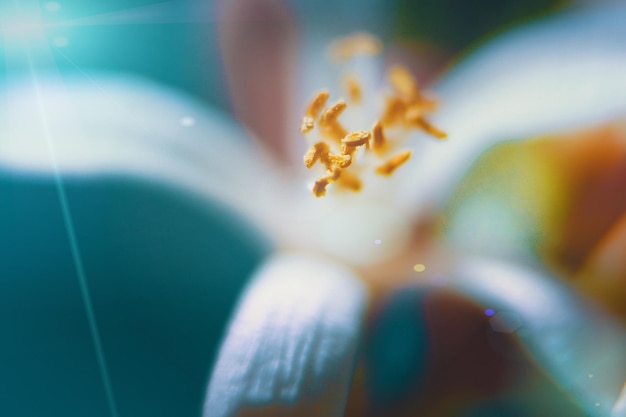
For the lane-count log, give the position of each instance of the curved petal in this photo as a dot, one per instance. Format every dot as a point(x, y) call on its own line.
point(291, 346)
point(554, 74)
point(127, 126)
point(581, 347)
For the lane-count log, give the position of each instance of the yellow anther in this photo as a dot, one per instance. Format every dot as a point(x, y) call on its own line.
point(394, 163)
point(406, 108)
point(360, 43)
point(378, 138)
point(403, 82)
point(334, 130)
point(307, 124)
point(334, 174)
point(429, 128)
point(355, 139)
point(317, 104)
point(332, 160)
point(313, 110)
point(333, 112)
point(350, 181)
point(319, 188)
point(394, 111)
point(315, 153)
point(353, 88)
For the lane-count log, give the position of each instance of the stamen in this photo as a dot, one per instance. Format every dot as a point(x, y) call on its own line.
point(353, 88)
point(360, 43)
point(355, 139)
point(403, 82)
point(429, 128)
point(319, 188)
point(333, 112)
point(394, 111)
point(329, 124)
point(349, 181)
point(307, 125)
point(378, 141)
point(315, 106)
point(394, 163)
point(315, 153)
point(332, 160)
point(406, 108)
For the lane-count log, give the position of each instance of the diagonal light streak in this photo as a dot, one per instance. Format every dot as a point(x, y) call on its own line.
point(75, 250)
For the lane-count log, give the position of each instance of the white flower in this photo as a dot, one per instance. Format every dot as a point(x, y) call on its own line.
point(292, 343)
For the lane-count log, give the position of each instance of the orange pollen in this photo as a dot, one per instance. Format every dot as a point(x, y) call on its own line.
point(315, 153)
point(358, 138)
point(333, 112)
point(350, 181)
point(403, 82)
point(353, 89)
point(405, 109)
point(393, 163)
point(360, 43)
point(315, 106)
point(378, 141)
point(429, 128)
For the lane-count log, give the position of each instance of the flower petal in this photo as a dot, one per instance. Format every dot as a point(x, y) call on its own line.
point(290, 349)
point(555, 74)
point(581, 347)
point(121, 125)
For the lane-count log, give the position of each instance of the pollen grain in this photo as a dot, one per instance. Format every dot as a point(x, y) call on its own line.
point(335, 149)
point(393, 163)
point(359, 43)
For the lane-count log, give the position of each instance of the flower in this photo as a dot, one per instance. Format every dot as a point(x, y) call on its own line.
point(292, 342)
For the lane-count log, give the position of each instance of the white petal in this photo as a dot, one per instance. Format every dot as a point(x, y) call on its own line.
point(582, 348)
point(550, 75)
point(120, 125)
point(291, 347)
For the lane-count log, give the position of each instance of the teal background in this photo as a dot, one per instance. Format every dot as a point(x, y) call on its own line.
point(163, 270)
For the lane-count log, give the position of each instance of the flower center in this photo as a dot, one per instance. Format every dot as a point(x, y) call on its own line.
point(342, 148)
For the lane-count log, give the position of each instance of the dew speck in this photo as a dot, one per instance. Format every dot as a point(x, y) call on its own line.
point(378, 242)
point(187, 121)
point(590, 376)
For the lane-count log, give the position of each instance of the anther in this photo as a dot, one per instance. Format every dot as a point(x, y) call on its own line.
point(378, 138)
point(333, 112)
point(353, 89)
point(429, 128)
point(315, 153)
point(332, 160)
point(315, 106)
point(308, 123)
point(394, 111)
point(355, 139)
point(357, 44)
point(319, 188)
point(349, 181)
point(394, 163)
point(403, 82)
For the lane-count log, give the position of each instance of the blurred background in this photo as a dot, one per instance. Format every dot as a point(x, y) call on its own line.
point(161, 367)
